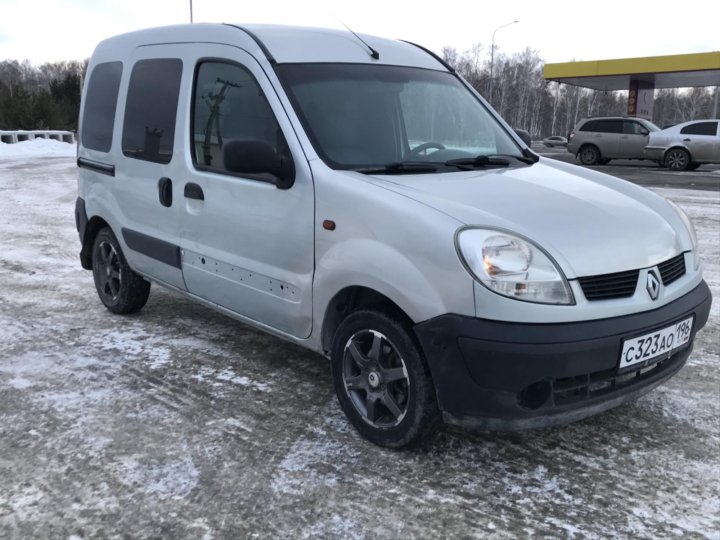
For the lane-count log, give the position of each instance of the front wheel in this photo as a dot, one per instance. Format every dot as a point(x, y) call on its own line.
point(382, 381)
point(589, 155)
point(121, 289)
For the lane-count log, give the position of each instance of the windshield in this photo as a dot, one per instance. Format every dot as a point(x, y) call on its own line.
point(649, 125)
point(362, 116)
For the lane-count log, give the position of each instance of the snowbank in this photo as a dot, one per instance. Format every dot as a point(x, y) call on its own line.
point(37, 147)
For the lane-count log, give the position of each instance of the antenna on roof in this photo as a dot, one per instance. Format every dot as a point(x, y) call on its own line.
point(373, 53)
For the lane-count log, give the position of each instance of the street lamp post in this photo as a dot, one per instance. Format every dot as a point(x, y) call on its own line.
point(492, 59)
point(191, 13)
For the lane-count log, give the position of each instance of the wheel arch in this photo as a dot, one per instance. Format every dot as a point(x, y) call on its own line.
point(585, 145)
point(354, 298)
point(677, 147)
point(94, 225)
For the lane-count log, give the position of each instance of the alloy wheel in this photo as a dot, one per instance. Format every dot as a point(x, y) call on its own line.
point(677, 160)
point(108, 270)
point(376, 379)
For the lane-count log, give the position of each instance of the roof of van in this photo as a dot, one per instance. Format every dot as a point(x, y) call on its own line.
point(281, 44)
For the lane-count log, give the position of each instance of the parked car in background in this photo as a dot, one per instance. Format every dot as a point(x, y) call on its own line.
point(598, 140)
point(555, 140)
point(686, 146)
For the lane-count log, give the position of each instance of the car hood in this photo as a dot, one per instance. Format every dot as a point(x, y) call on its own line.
point(591, 223)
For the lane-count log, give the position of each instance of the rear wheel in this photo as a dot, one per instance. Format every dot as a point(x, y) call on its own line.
point(604, 161)
point(382, 381)
point(677, 159)
point(589, 155)
point(119, 288)
point(693, 165)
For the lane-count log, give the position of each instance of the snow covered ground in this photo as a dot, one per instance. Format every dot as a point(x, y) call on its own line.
point(37, 148)
point(181, 423)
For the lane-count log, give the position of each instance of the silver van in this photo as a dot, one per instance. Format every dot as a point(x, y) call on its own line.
point(356, 196)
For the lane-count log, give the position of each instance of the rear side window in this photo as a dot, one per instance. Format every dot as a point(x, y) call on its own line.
point(149, 127)
point(610, 126)
point(701, 128)
point(100, 106)
point(603, 126)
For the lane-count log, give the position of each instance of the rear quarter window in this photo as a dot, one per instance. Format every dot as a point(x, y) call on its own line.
point(100, 106)
point(701, 128)
point(151, 109)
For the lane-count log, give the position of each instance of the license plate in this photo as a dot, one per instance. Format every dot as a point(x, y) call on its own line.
point(655, 344)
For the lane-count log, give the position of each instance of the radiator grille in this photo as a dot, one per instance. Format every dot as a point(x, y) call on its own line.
point(610, 286)
point(623, 284)
point(673, 269)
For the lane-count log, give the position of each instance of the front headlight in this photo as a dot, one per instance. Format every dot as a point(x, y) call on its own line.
point(691, 231)
point(512, 266)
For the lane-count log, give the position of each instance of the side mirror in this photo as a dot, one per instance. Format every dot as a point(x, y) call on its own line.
point(258, 157)
point(644, 132)
point(524, 135)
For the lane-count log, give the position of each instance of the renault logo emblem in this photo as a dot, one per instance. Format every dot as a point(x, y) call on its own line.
point(653, 285)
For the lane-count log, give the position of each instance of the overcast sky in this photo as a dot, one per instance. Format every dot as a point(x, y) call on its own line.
point(52, 30)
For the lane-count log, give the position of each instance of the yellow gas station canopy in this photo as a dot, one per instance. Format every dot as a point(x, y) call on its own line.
point(675, 71)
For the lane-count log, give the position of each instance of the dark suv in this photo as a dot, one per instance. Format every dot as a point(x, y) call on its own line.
point(598, 140)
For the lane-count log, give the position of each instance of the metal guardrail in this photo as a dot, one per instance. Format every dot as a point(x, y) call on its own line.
point(12, 137)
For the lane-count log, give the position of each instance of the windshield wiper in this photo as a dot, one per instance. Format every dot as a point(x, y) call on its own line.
point(400, 167)
point(494, 160)
point(469, 164)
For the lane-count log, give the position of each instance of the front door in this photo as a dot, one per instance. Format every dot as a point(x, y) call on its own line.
point(247, 245)
point(633, 140)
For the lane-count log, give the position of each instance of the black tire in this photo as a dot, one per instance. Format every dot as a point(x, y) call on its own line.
point(119, 288)
point(603, 161)
point(589, 155)
point(382, 381)
point(693, 165)
point(677, 159)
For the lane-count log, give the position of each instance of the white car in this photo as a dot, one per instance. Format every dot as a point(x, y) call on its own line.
point(555, 140)
point(357, 197)
point(686, 146)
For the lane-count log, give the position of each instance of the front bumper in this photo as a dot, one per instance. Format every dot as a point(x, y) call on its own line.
point(512, 376)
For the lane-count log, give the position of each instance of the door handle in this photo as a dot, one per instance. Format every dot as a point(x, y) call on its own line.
point(165, 192)
point(193, 191)
point(687, 140)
